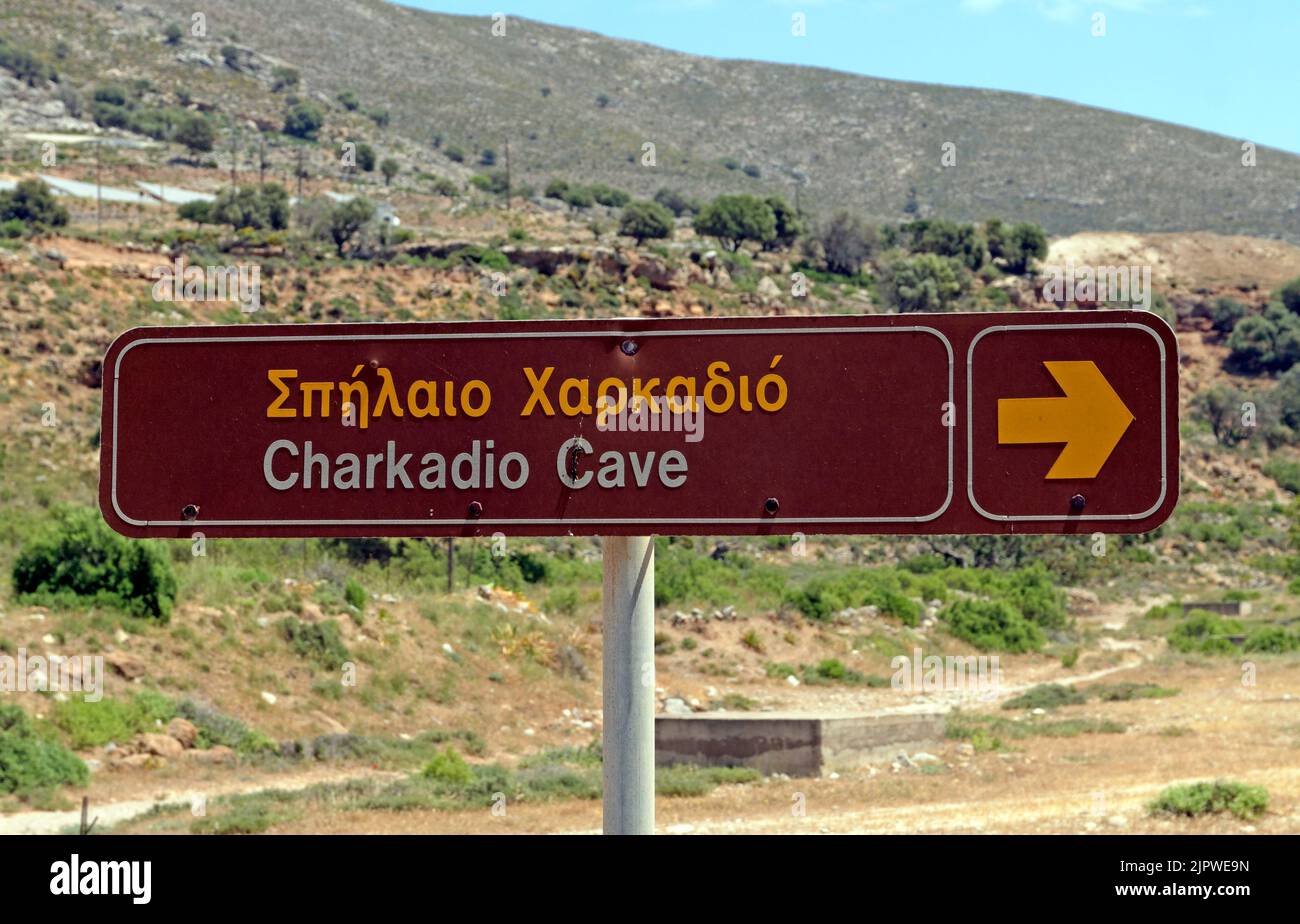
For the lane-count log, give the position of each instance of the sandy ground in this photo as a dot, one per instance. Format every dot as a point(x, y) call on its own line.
point(1179, 259)
point(1213, 729)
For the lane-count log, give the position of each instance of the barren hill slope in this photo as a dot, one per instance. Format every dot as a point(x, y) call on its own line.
point(579, 105)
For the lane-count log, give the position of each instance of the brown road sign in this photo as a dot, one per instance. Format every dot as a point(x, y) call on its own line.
point(1034, 422)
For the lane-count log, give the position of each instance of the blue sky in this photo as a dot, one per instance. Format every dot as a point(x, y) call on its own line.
point(1227, 66)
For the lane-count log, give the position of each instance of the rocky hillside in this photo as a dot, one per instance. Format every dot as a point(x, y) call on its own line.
point(571, 103)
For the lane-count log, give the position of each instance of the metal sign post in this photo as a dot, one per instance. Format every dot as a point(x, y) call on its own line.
point(628, 600)
point(921, 424)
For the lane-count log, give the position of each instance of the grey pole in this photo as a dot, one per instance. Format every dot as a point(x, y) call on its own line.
point(629, 681)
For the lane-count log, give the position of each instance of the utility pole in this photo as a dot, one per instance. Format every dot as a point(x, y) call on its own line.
point(162, 187)
point(451, 564)
point(507, 174)
point(300, 173)
point(99, 199)
point(261, 159)
point(234, 157)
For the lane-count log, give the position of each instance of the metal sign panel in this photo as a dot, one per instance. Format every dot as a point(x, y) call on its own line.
point(1043, 422)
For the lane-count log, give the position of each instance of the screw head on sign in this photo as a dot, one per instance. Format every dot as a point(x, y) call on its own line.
point(190, 511)
point(629, 347)
point(1077, 502)
point(771, 505)
point(475, 510)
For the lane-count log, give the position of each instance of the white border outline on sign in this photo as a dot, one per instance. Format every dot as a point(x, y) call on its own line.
point(970, 427)
point(522, 335)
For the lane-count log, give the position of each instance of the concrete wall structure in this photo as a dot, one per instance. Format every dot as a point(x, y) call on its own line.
point(794, 743)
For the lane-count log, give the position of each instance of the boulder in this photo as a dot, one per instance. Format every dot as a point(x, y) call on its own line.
point(217, 754)
point(183, 731)
point(160, 745)
point(676, 706)
point(147, 761)
point(128, 665)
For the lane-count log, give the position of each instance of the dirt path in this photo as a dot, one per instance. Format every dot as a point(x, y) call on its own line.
point(114, 813)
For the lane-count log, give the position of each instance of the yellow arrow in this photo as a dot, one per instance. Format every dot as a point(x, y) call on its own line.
point(1089, 420)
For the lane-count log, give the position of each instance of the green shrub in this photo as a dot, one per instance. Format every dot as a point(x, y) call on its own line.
point(737, 702)
point(963, 242)
point(1045, 696)
point(1285, 473)
point(1192, 799)
point(1172, 610)
point(993, 625)
point(32, 203)
point(736, 219)
point(92, 724)
point(1290, 295)
point(448, 767)
point(493, 182)
point(1030, 590)
point(675, 202)
point(1264, 343)
point(685, 780)
point(824, 595)
point(645, 220)
point(1123, 692)
point(319, 642)
point(1225, 313)
point(1023, 244)
point(264, 207)
point(846, 240)
point(345, 221)
point(196, 133)
point(683, 574)
point(284, 78)
point(76, 560)
point(924, 282)
point(29, 760)
point(609, 196)
point(303, 121)
point(355, 594)
point(25, 65)
point(484, 257)
point(564, 602)
point(579, 197)
point(243, 819)
point(1204, 633)
point(994, 730)
point(217, 728)
point(1273, 640)
point(831, 669)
